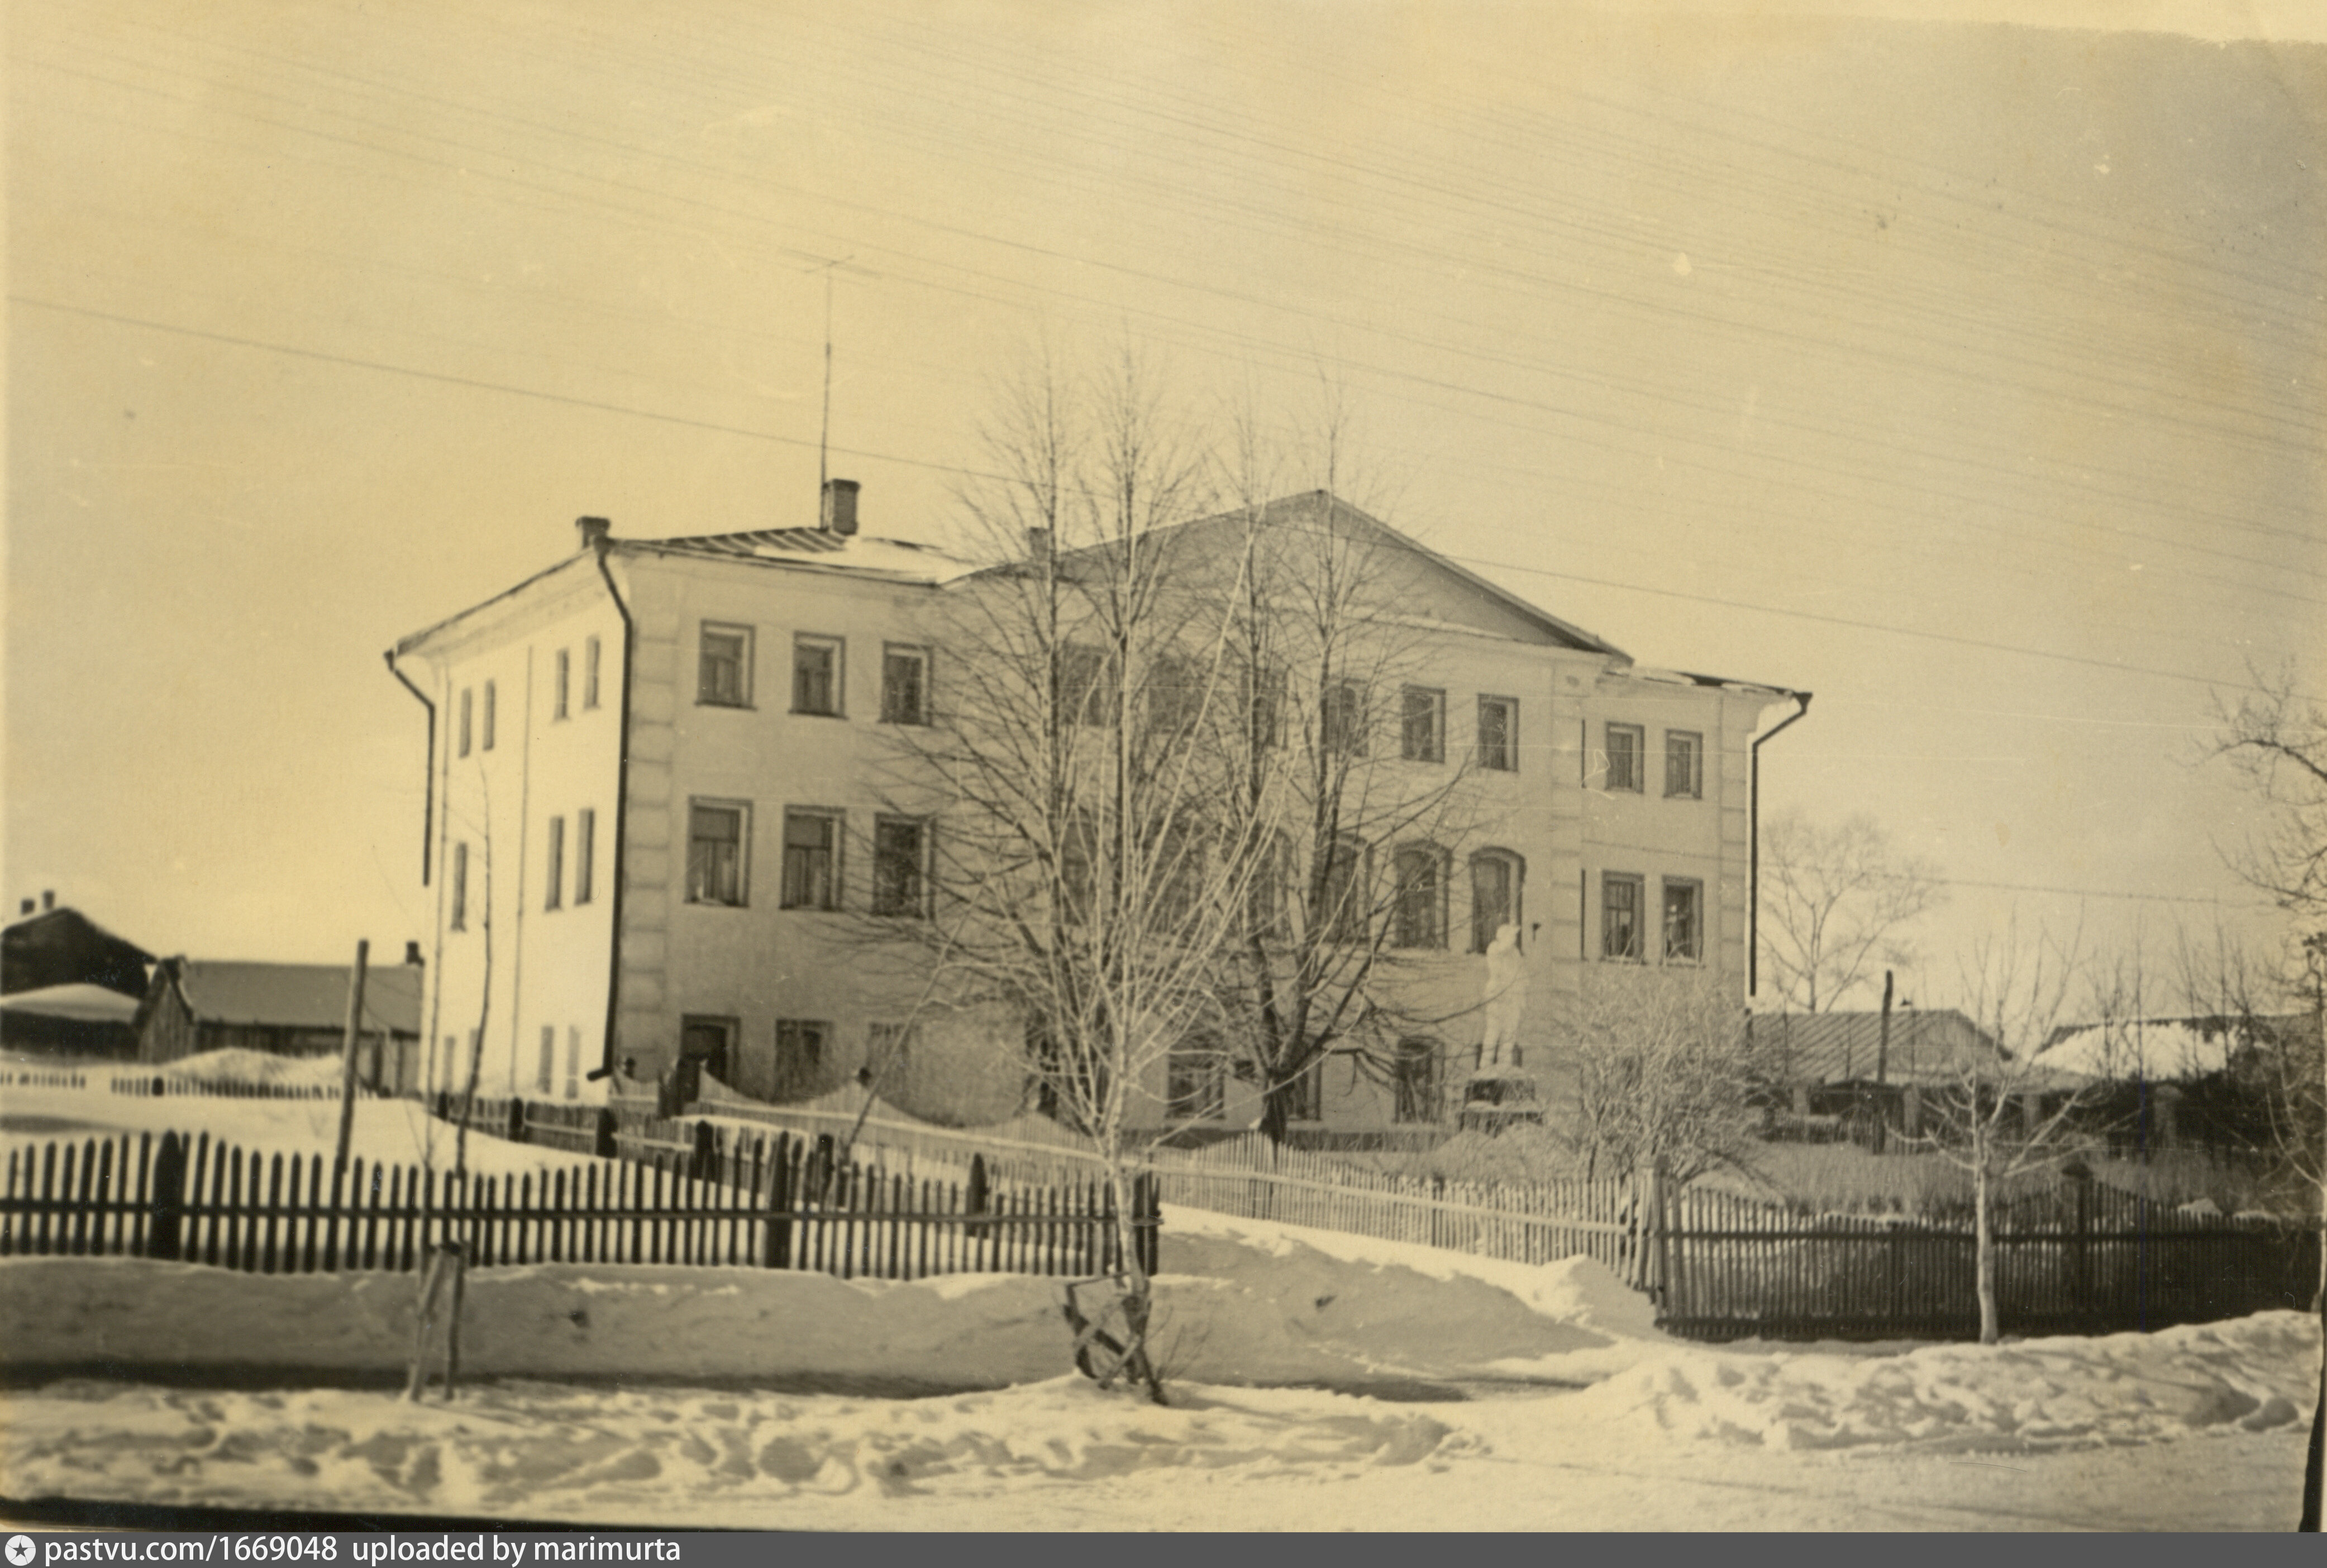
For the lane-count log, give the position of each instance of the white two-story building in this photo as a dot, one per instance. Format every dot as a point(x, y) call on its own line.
point(661, 798)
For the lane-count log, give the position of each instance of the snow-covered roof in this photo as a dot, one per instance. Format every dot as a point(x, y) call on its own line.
point(2158, 1050)
point(297, 996)
point(83, 1002)
point(817, 548)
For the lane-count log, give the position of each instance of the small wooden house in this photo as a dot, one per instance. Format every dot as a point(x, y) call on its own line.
point(1838, 1069)
point(63, 947)
point(194, 1006)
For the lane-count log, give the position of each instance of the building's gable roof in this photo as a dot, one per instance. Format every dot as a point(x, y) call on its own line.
point(59, 947)
point(1833, 1048)
point(296, 995)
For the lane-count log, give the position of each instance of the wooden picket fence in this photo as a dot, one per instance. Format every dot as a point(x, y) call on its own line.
point(152, 1086)
point(770, 1205)
point(2085, 1258)
point(39, 1077)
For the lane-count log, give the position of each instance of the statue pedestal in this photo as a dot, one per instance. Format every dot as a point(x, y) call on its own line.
point(1497, 1098)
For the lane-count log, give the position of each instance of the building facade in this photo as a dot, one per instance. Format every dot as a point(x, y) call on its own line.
point(663, 796)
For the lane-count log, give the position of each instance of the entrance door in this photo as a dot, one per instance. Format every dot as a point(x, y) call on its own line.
point(703, 1045)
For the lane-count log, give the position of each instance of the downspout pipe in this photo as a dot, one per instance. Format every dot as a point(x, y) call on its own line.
point(1754, 852)
point(428, 806)
point(601, 543)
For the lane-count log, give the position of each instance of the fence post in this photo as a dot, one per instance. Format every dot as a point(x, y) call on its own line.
point(169, 1198)
point(2079, 1178)
point(780, 1202)
point(606, 1144)
point(703, 1161)
point(517, 1119)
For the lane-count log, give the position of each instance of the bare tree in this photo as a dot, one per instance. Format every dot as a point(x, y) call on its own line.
point(2000, 1119)
point(1834, 905)
point(1353, 890)
point(1089, 861)
point(2276, 737)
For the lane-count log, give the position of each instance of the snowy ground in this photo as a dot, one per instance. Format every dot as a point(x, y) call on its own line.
point(2196, 1427)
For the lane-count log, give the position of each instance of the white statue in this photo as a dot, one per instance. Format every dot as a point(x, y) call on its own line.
point(1505, 998)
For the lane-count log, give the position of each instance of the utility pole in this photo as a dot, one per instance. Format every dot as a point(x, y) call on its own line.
point(348, 1054)
point(1883, 1067)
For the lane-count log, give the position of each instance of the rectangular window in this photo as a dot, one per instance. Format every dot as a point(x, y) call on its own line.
point(1420, 910)
point(800, 1045)
point(554, 853)
point(715, 838)
point(1684, 921)
point(585, 855)
point(1498, 733)
point(1416, 1082)
point(590, 674)
point(816, 674)
point(811, 859)
point(1343, 721)
point(889, 1054)
point(1342, 912)
point(1306, 1095)
point(1175, 694)
point(465, 694)
point(573, 1064)
point(490, 705)
point(703, 1045)
point(1422, 725)
point(1264, 703)
point(461, 886)
point(1195, 1086)
point(1624, 760)
point(1684, 765)
point(899, 866)
point(723, 671)
point(547, 1076)
point(1620, 916)
point(563, 683)
point(904, 685)
point(1494, 896)
point(1087, 688)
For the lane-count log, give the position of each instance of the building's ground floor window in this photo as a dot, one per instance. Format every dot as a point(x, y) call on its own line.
point(1620, 916)
point(705, 1046)
point(1306, 1095)
point(1415, 1083)
point(546, 1078)
point(1196, 1080)
point(1684, 921)
point(802, 1049)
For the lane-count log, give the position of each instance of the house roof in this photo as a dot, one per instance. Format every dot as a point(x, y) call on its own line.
point(60, 945)
point(82, 1003)
point(897, 558)
point(296, 996)
point(2153, 1049)
point(1832, 1047)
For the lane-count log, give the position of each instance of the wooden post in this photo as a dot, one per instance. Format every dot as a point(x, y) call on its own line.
point(1882, 1069)
point(169, 1198)
point(347, 1056)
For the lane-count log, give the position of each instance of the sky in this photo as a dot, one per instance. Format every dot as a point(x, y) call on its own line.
point(1965, 372)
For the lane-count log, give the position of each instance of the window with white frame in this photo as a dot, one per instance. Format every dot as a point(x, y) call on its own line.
point(561, 682)
point(1684, 765)
point(466, 694)
point(816, 674)
point(488, 727)
point(1498, 733)
point(1421, 725)
point(590, 673)
point(811, 859)
point(461, 885)
point(904, 683)
point(1196, 1080)
point(1343, 722)
point(1418, 911)
point(723, 665)
point(1620, 916)
point(899, 866)
point(554, 859)
point(1626, 766)
point(585, 855)
point(1684, 921)
point(803, 1049)
point(1415, 1081)
point(718, 838)
point(1497, 879)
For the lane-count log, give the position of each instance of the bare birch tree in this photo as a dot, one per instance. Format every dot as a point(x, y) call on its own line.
point(1342, 765)
point(1836, 902)
point(1089, 862)
point(2000, 1119)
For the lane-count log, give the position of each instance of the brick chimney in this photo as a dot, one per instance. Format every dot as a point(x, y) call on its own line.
point(412, 954)
point(593, 531)
point(839, 515)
